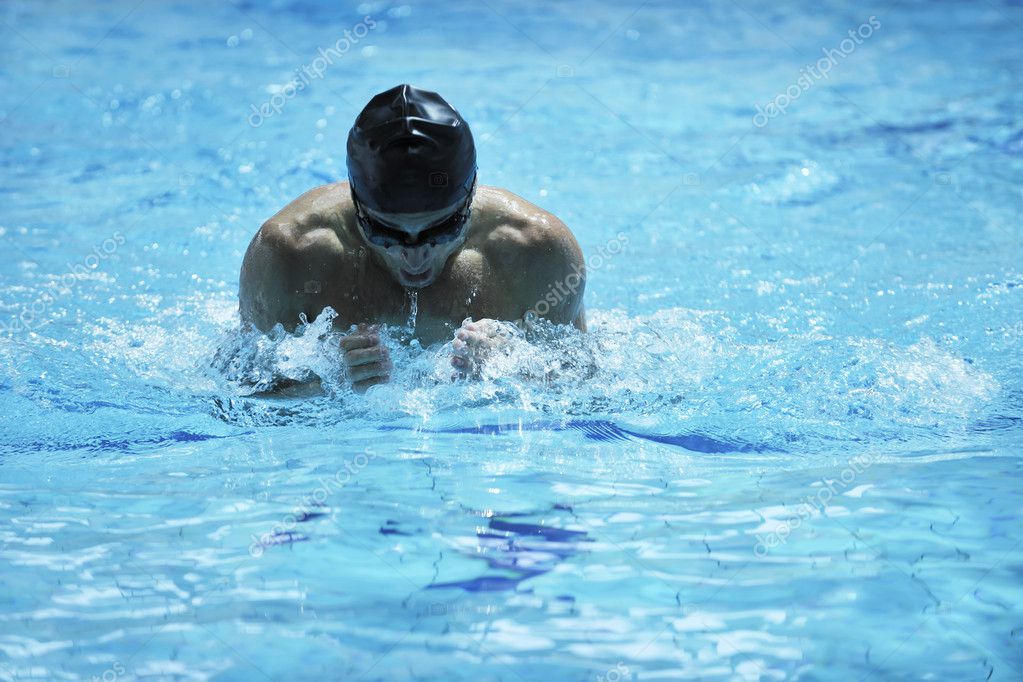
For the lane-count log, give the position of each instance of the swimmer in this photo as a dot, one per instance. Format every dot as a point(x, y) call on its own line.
point(412, 218)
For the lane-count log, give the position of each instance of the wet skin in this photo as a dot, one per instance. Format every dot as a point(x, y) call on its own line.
point(312, 254)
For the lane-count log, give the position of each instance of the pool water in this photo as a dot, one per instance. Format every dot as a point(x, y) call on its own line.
point(789, 446)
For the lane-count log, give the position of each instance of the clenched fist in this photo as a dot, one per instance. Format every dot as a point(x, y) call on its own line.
point(368, 361)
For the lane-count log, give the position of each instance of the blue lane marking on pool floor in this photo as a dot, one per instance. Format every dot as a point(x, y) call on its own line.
point(604, 431)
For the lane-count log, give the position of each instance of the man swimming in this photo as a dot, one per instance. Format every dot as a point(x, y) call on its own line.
point(411, 217)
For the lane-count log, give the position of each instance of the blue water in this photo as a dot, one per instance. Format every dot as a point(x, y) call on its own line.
point(789, 447)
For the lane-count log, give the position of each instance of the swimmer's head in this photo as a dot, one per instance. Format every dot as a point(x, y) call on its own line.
point(412, 172)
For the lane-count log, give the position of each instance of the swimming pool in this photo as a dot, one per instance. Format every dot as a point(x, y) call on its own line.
point(789, 446)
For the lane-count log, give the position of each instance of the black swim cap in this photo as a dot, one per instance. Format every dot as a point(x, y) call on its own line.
point(410, 151)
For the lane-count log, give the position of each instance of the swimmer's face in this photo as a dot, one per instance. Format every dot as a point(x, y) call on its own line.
point(414, 247)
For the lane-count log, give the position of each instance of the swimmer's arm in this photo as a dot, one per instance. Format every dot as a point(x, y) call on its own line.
point(268, 296)
point(580, 320)
point(544, 275)
point(553, 277)
point(267, 291)
point(292, 388)
point(536, 269)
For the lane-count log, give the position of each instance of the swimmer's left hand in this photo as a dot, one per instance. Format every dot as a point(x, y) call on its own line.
point(474, 342)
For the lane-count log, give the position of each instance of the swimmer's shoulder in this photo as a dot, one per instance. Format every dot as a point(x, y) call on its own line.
point(318, 220)
point(511, 226)
point(298, 258)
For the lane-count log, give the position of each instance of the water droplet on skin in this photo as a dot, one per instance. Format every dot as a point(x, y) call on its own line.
point(359, 260)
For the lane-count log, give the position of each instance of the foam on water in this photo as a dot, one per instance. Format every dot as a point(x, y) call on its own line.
point(675, 371)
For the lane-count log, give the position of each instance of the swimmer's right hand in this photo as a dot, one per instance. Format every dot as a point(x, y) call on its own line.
point(368, 361)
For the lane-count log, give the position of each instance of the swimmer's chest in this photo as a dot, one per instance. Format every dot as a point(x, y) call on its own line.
point(372, 296)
